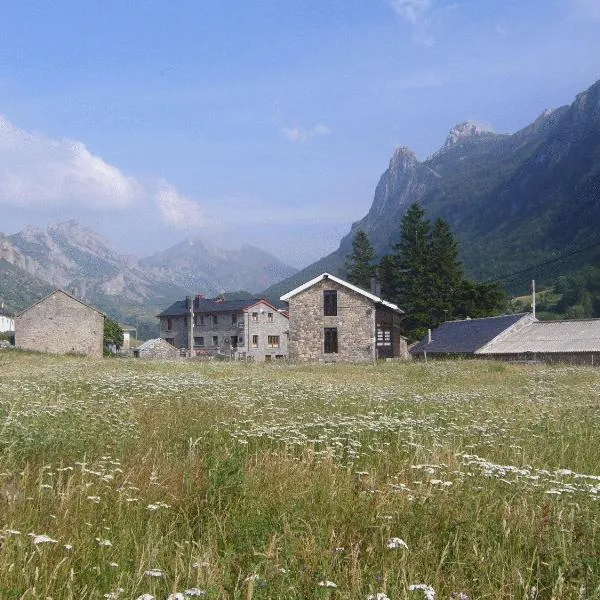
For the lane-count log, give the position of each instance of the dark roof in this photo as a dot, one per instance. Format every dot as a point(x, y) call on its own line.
point(206, 305)
point(464, 337)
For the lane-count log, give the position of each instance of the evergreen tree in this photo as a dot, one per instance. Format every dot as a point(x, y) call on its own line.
point(360, 265)
point(423, 276)
point(446, 274)
point(413, 275)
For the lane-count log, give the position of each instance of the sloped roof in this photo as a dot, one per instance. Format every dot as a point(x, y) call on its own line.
point(346, 284)
point(149, 344)
point(59, 291)
point(582, 335)
point(207, 305)
point(466, 336)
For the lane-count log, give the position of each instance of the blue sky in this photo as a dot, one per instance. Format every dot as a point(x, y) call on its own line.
point(265, 122)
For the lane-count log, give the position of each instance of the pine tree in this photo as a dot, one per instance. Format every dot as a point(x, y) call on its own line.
point(445, 273)
point(360, 265)
point(412, 259)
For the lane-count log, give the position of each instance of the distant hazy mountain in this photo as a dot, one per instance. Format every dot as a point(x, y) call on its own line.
point(198, 266)
point(512, 200)
point(75, 258)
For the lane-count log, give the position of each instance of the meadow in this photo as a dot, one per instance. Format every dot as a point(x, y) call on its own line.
point(123, 479)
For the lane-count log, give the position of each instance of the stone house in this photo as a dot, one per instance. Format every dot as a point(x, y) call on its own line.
point(239, 329)
point(334, 320)
point(156, 348)
point(60, 324)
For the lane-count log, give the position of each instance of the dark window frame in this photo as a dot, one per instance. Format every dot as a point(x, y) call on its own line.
point(330, 304)
point(330, 340)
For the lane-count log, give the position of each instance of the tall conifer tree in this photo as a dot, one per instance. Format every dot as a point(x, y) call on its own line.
point(360, 265)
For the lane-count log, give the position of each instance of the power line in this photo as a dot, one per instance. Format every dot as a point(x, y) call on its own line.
point(543, 264)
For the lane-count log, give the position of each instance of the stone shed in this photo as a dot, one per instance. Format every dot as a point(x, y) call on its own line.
point(60, 324)
point(333, 320)
point(156, 348)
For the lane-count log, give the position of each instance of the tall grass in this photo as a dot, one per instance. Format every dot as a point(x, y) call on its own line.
point(283, 481)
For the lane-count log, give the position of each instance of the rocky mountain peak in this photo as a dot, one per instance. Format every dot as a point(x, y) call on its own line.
point(403, 157)
point(465, 130)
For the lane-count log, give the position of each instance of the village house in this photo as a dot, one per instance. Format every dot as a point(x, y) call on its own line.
point(467, 336)
point(239, 329)
point(7, 322)
point(518, 337)
point(156, 348)
point(60, 324)
point(333, 320)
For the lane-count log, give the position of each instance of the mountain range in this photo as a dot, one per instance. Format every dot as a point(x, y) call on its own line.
point(511, 200)
point(72, 257)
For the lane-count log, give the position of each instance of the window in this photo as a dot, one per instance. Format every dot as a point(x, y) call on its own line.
point(170, 341)
point(384, 337)
point(330, 303)
point(201, 319)
point(199, 341)
point(268, 357)
point(255, 316)
point(255, 341)
point(169, 323)
point(273, 341)
point(185, 321)
point(234, 318)
point(215, 340)
point(215, 320)
point(331, 340)
point(270, 317)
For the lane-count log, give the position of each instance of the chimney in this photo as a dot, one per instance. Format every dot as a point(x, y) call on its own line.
point(188, 302)
point(429, 336)
point(375, 286)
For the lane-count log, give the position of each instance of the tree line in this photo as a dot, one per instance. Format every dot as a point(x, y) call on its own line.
point(423, 275)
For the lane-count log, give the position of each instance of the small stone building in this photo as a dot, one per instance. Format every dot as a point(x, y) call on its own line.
point(156, 348)
point(333, 320)
point(60, 324)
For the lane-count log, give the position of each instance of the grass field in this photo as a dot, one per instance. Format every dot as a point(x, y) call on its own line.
point(124, 479)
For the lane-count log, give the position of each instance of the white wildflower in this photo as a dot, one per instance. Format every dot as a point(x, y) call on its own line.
point(422, 587)
point(327, 584)
point(153, 573)
point(103, 543)
point(396, 542)
point(94, 499)
point(146, 597)
point(42, 539)
point(195, 593)
point(176, 596)
point(378, 596)
point(68, 546)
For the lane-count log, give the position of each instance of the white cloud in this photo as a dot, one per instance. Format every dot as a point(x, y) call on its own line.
point(417, 13)
point(178, 211)
point(299, 134)
point(411, 10)
point(38, 171)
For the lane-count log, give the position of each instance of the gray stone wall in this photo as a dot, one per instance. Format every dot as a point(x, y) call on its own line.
point(60, 324)
point(263, 327)
point(355, 322)
point(157, 349)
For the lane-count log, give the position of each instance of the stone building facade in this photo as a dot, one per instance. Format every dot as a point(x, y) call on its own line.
point(60, 324)
point(156, 348)
point(238, 329)
point(332, 320)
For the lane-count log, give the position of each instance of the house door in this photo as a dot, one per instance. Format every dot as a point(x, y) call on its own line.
point(234, 342)
point(384, 345)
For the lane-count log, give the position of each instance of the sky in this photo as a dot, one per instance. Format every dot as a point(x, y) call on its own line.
point(266, 122)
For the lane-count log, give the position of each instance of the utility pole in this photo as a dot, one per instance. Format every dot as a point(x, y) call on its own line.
point(533, 297)
point(191, 331)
